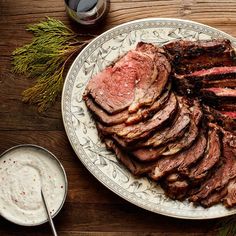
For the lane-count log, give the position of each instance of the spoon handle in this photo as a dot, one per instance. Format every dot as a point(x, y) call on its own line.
point(49, 215)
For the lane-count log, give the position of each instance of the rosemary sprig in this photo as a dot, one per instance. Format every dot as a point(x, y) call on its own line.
point(45, 58)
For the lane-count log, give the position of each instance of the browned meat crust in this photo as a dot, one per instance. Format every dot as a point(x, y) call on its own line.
point(189, 56)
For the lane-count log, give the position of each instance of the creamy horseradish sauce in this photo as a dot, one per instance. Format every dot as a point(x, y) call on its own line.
point(23, 172)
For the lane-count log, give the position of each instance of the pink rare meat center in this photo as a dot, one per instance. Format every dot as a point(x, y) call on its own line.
point(117, 87)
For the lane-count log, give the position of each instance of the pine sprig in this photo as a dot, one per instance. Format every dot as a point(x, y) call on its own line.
point(227, 227)
point(44, 59)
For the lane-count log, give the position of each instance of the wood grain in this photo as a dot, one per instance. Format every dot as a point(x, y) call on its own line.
point(90, 209)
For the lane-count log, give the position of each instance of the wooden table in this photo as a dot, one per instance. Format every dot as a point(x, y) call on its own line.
point(90, 208)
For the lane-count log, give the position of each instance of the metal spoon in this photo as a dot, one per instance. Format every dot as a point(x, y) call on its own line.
point(49, 215)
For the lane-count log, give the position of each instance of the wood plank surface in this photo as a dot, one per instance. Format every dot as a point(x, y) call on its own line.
point(90, 208)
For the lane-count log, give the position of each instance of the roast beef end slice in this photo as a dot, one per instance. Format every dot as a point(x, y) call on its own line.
point(204, 61)
point(188, 56)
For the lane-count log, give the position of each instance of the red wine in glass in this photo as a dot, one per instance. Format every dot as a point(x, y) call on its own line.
point(87, 12)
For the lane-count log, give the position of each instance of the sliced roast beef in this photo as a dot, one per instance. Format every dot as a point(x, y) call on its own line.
point(222, 72)
point(180, 161)
point(103, 116)
point(135, 167)
point(213, 115)
point(124, 116)
point(214, 198)
point(216, 96)
point(224, 173)
point(230, 114)
point(149, 153)
point(211, 156)
point(153, 153)
point(114, 88)
point(188, 56)
point(130, 79)
point(194, 154)
point(155, 133)
point(219, 83)
point(185, 48)
point(228, 107)
point(189, 136)
point(227, 195)
point(172, 132)
point(157, 81)
point(175, 186)
point(147, 112)
point(126, 134)
point(193, 82)
point(230, 199)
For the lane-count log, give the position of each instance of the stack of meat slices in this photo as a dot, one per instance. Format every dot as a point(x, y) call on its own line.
point(207, 70)
point(170, 138)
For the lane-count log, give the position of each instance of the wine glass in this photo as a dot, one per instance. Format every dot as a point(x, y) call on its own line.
point(87, 12)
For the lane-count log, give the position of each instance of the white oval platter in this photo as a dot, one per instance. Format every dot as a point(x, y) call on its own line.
point(80, 127)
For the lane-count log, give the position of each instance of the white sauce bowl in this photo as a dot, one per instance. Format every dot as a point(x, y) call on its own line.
point(24, 170)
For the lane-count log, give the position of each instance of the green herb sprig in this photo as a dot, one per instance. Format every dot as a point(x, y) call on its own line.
point(45, 58)
point(227, 227)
